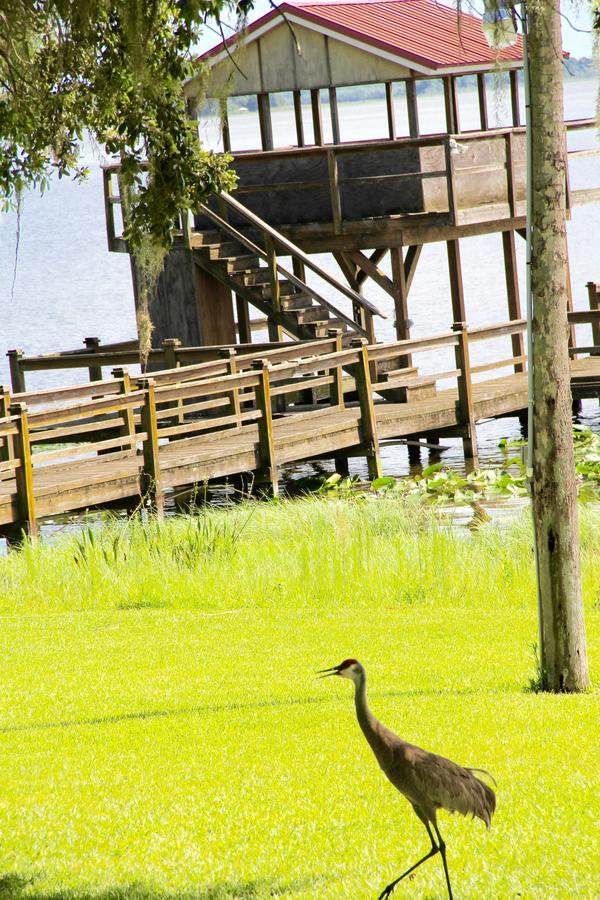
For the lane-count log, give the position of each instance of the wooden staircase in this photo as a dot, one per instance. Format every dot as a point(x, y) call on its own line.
point(246, 259)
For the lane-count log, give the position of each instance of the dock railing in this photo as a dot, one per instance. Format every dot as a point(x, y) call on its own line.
point(131, 437)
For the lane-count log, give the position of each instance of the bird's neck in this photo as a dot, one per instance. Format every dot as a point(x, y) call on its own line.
point(372, 729)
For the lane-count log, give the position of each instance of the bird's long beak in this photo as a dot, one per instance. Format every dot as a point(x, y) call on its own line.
point(325, 673)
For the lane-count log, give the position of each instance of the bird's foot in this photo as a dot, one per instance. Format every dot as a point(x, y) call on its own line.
point(387, 891)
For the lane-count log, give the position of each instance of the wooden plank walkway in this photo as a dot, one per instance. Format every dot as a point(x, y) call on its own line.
point(131, 437)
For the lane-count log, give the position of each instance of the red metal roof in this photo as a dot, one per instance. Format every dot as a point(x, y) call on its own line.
point(424, 32)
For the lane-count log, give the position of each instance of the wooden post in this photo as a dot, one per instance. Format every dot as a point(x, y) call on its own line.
point(514, 98)
point(128, 426)
point(264, 118)
point(334, 192)
point(450, 183)
point(400, 299)
point(225, 133)
point(368, 420)
point(7, 449)
point(412, 108)
point(243, 320)
point(337, 388)
point(170, 347)
point(512, 293)
point(451, 105)
point(92, 344)
point(317, 116)
point(391, 113)
point(229, 356)
point(593, 297)
point(26, 523)
point(298, 118)
point(334, 114)
point(17, 376)
point(466, 410)
point(483, 111)
point(150, 481)
point(456, 281)
point(273, 325)
point(266, 441)
point(510, 173)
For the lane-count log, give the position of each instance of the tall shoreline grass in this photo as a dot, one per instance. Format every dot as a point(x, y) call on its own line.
point(328, 551)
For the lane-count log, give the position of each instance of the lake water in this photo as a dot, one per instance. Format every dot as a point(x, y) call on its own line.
point(69, 286)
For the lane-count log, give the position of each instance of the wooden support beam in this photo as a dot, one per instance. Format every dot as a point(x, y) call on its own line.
point(512, 293)
point(337, 388)
point(243, 320)
point(466, 409)
point(264, 119)
point(368, 419)
point(170, 347)
point(594, 302)
point(266, 441)
point(451, 105)
point(26, 522)
point(275, 333)
point(225, 133)
point(412, 108)
point(334, 191)
point(514, 98)
point(372, 270)
point(317, 116)
point(17, 375)
point(334, 113)
point(391, 113)
point(235, 408)
point(450, 182)
point(400, 300)
point(411, 261)
point(482, 94)
point(510, 173)
point(93, 345)
point(128, 427)
point(349, 269)
point(298, 118)
point(7, 448)
point(150, 479)
point(375, 257)
point(456, 281)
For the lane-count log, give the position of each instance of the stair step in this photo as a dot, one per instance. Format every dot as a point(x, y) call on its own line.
point(297, 301)
point(321, 329)
point(207, 238)
point(259, 276)
point(309, 314)
point(285, 289)
point(227, 250)
point(242, 264)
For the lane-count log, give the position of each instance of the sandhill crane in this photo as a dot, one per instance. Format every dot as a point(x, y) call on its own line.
point(429, 782)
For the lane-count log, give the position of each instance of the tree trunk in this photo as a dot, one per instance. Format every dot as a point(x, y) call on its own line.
point(563, 651)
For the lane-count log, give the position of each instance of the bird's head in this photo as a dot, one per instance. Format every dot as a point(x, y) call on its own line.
point(350, 668)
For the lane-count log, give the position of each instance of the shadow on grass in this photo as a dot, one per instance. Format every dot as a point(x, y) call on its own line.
point(231, 707)
point(13, 887)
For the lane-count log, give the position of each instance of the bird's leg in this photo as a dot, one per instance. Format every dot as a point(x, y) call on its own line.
point(442, 849)
point(387, 891)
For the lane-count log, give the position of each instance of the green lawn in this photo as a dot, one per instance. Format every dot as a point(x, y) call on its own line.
point(162, 733)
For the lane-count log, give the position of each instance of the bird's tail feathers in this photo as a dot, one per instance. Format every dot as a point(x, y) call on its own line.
point(483, 772)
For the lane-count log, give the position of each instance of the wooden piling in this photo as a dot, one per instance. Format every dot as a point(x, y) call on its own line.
point(150, 480)
point(26, 522)
point(267, 471)
point(92, 345)
point(466, 407)
point(368, 420)
point(229, 356)
point(17, 376)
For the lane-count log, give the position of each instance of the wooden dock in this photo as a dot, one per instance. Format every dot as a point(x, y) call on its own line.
point(128, 440)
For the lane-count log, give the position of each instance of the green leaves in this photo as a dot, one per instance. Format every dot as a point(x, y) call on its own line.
point(114, 70)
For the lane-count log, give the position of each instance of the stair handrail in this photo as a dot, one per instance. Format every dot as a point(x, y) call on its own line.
point(293, 278)
point(296, 251)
